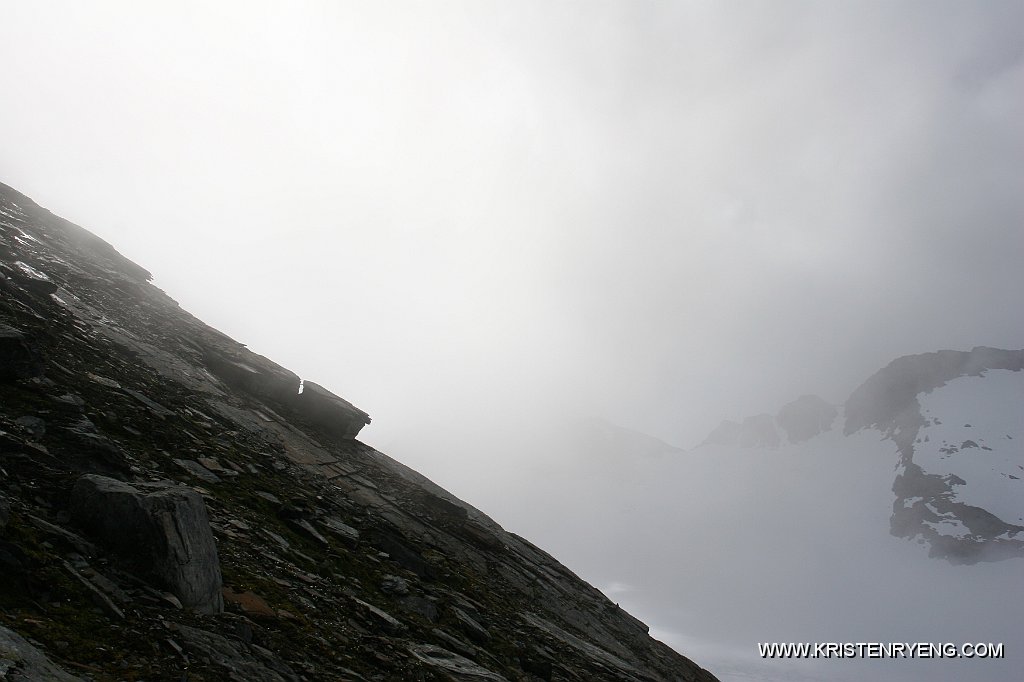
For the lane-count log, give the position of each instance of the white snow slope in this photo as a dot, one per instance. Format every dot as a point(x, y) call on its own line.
point(975, 431)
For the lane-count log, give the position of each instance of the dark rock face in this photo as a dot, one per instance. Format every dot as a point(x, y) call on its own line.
point(166, 532)
point(327, 411)
point(262, 378)
point(149, 431)
point(237, 660)
point(18, 358)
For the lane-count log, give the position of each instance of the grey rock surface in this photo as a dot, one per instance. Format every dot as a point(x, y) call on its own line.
point(456, 667)
point(20, 661)
point(166, 532)
point(238, 660)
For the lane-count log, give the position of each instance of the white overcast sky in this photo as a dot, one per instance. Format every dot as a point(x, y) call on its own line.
point(462, 215)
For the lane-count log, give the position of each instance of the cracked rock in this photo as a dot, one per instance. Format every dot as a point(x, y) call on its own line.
point(166, 532)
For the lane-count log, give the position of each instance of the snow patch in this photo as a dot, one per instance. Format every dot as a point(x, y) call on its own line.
point(950, 527)
point(31, 271)
point(979, 438)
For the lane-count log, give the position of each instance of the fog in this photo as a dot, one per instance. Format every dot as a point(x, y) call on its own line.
point(481, 221)
point(719, 548)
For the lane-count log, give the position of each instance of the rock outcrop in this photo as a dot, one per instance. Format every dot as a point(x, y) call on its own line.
point(165, 533)
point(127, 426)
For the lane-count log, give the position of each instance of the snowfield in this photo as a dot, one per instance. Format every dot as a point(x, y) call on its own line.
point(975, 431)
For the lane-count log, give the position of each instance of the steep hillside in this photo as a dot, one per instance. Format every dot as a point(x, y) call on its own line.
point(173, 507)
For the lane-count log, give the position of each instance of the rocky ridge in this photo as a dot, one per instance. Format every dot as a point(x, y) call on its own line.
point(173, 507)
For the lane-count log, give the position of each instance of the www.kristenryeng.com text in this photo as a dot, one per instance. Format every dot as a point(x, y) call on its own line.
point(827, 650)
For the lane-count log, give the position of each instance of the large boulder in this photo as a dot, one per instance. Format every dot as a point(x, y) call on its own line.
point(165, 533)
point(335, 415)
point(255, 374)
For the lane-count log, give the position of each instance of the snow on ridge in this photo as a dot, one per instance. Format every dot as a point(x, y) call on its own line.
point(974, 430)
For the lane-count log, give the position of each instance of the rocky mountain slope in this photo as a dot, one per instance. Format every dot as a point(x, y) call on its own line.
point(173, 507)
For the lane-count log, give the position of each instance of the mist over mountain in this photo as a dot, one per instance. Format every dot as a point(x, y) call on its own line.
point(550, 247)
point(894, 516)
point(655, 212)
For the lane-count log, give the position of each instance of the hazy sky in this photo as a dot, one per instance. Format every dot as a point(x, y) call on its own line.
point(479, 220)
point(465, 214)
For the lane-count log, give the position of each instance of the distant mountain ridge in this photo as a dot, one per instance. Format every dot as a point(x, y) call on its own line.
point(795, 422)
point(931, 501)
